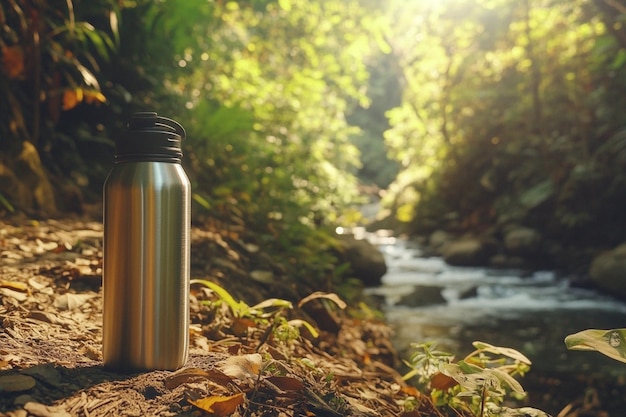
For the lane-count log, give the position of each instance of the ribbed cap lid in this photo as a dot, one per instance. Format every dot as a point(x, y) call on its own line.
point(150, 137)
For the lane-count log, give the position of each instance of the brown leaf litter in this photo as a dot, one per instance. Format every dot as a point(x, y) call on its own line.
point(50, 341)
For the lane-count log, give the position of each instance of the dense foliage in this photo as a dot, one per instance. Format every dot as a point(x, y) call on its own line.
point(492, 111)
point(263, 88)
point(512, 114)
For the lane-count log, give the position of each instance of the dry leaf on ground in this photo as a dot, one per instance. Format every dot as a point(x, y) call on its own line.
point(219, 406)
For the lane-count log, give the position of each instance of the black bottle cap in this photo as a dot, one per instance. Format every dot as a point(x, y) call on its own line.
point(150, 137)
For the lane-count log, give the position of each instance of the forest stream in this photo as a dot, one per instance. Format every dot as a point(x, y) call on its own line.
point(529, 312)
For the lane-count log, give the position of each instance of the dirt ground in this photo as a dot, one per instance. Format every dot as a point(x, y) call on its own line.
point(50, 342)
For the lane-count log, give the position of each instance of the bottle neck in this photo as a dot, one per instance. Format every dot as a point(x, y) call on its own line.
point(150, 138)
point(125, 158)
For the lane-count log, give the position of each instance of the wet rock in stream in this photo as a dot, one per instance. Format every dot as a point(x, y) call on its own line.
point(423, 295)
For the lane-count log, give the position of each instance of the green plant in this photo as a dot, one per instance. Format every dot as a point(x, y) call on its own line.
point(611, 343)
point(7, 205)
point(51, 54)
point(269, 312)
point(477, 384)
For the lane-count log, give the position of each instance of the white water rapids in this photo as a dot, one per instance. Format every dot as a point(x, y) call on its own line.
point(529, 312)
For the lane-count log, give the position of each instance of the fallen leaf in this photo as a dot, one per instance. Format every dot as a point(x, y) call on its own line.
point(409, 390)
point(367, 394)
point(25, 248)
point(305, 324)
point(36, 284)
point(251, 247)
point(46, 246)
point(82, 262)
point(286, 383)
point(276, 354)
point(46, 317)
point(91, 352)
point(329, 296)
point(189, 375)
point(442, 381)
point(41, 410)
point(16, 383)
point(219, 406)
point(272, 303)
point(517, 412)
point(19, 296)
point(241, 325)
point(241, 367)
point(14, 285)
point(69, 301)
point(363, 410)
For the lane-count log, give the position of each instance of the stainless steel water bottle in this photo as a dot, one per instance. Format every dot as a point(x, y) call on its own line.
point(147, 216)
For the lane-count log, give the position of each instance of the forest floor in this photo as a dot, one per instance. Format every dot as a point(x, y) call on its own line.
point(50, 340)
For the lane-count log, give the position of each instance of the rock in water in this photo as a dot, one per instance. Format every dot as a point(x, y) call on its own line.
point(467, 252)
point(522, 241)
point(366, 261)
point(608, 271)
point(423, 295)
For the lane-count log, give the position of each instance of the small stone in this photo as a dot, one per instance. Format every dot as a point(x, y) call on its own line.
point(367, 263)
point(16, 383)
point(423, 295)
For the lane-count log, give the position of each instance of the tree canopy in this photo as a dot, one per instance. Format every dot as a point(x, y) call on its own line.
point(511, 114)
point(473, 112)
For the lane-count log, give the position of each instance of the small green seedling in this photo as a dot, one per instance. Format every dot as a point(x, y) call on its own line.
point(269, 311)
point(477, 384)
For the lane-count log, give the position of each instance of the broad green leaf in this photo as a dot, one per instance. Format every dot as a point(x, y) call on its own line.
point(472, 382)
point(511, 353)
point(611, 343)
point(201, 200)
point(4, 202)
point(309, 326)
point(494, 410)
point(238, 307)
point(469, 368)
point(508, 380)
point(101, 42)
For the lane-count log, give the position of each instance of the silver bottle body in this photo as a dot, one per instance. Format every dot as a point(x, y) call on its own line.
point(147, 217)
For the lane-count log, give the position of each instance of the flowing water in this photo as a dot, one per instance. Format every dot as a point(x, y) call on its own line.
point(531, 313)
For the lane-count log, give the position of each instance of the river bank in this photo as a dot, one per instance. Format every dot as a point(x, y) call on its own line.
point(426, 299)
point(50, 362)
